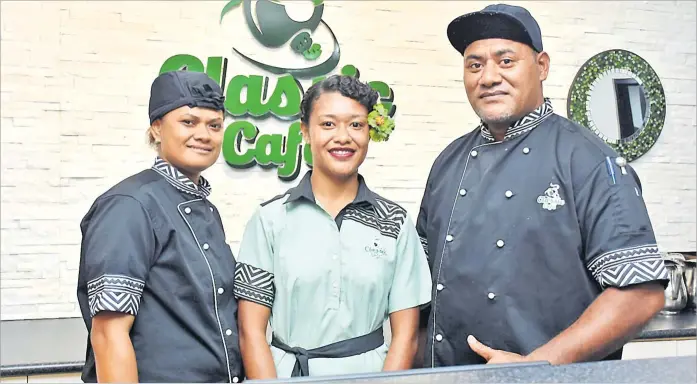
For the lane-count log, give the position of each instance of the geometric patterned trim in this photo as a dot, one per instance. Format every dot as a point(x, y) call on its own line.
point(180, 181)
point(424, 244)
point(627, 266)
point(115, 293)
point(524, 124)
point(254, 284)
point(385, 216)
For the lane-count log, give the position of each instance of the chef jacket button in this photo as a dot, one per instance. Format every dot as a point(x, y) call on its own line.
point(187, 210)
point(206, 246)
point(463, 192)
point(439, 287)
point(335, 285)
point(235, 379)
point(509, 194)
point(449, 238)
point(220, 291)
point(474, 153)
point(211, 208)
point(500, 243)
point(228, 332)
point(526, 150)
point(491, 295)
point(439, 337)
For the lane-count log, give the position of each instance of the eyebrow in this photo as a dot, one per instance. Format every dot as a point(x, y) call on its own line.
point(500, 52)
point(334, 116)
point(194, 117)
point(503, 51)
point(473, 57)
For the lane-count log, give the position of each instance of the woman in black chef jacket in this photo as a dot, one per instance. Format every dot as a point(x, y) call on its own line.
point(156, 276)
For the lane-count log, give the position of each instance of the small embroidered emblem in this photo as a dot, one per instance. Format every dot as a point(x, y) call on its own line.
point(551, 199)
point(375, 250)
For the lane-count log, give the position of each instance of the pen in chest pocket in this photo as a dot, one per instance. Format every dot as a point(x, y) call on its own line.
point(610, 170)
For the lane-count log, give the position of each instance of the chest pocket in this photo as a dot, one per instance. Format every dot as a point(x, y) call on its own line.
point(370, 255)
point(542, 206)
point(544, 227)
point(536, 198)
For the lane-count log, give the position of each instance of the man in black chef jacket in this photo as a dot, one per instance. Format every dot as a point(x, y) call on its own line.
point(538, 238)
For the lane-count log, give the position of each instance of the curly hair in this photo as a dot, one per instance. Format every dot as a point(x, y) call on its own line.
point(346, 85)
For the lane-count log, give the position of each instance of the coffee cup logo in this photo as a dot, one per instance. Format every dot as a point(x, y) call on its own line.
point(274, 29)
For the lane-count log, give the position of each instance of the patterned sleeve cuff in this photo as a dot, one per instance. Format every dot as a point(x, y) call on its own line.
point(254, 284)
point(628, 266)
point(424, 244)
point(115, 293)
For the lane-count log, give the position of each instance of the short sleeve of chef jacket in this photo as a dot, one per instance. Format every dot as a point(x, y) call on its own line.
point(118, 247)
point(618, 239)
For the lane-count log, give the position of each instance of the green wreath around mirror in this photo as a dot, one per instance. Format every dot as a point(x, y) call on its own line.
point(617, 95)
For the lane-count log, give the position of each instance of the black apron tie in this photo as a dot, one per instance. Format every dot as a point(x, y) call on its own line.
point(345, 348)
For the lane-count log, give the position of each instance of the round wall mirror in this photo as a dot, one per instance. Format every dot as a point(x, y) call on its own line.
point(619, 96)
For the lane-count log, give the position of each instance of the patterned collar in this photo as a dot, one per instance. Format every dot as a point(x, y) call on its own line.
point(180, 181)
point(524, 124)
point(304, 190)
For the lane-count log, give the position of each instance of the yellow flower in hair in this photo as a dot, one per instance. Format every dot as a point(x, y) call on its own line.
point(380, 122)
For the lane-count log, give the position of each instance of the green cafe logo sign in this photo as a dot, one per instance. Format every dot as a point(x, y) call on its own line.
point(273, 29)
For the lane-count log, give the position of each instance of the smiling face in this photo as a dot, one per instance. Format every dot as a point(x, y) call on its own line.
point(189, 139)
point(503, 79)
point(338, 134)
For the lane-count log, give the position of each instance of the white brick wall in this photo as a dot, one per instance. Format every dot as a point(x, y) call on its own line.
point(76, 76)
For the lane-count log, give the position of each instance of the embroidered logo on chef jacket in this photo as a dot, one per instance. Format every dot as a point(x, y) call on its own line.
point(375, 249)
point(551, 198)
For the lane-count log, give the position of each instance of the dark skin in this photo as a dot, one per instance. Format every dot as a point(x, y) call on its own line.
point(115, 359)
point(612, 319)
point(190, 139)
point(336, 123)
point(503, 80)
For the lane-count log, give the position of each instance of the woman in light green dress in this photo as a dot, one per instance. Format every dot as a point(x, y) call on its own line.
point(329, 261)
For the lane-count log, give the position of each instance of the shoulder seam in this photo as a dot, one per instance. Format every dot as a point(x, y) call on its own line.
point(572, 123)
point(132, 192)
point(380, 198)
point(130, 196)
point(275, 198)
point(590, 175)
point(399, 215)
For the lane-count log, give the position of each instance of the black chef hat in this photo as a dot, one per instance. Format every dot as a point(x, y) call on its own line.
point(498, 21)
point(175, 89)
